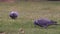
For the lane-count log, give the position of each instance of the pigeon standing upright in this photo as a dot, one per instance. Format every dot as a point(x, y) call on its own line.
point(13, 15)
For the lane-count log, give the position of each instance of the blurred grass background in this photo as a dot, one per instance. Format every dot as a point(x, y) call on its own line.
point(28, 12)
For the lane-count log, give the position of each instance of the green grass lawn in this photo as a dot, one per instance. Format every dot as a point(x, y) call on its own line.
point(28, 12)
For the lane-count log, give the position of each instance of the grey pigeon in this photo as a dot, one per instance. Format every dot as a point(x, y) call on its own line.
point(13, 15)
point(44, 22)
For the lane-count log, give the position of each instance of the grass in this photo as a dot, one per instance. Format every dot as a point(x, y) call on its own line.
point(28, 12)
